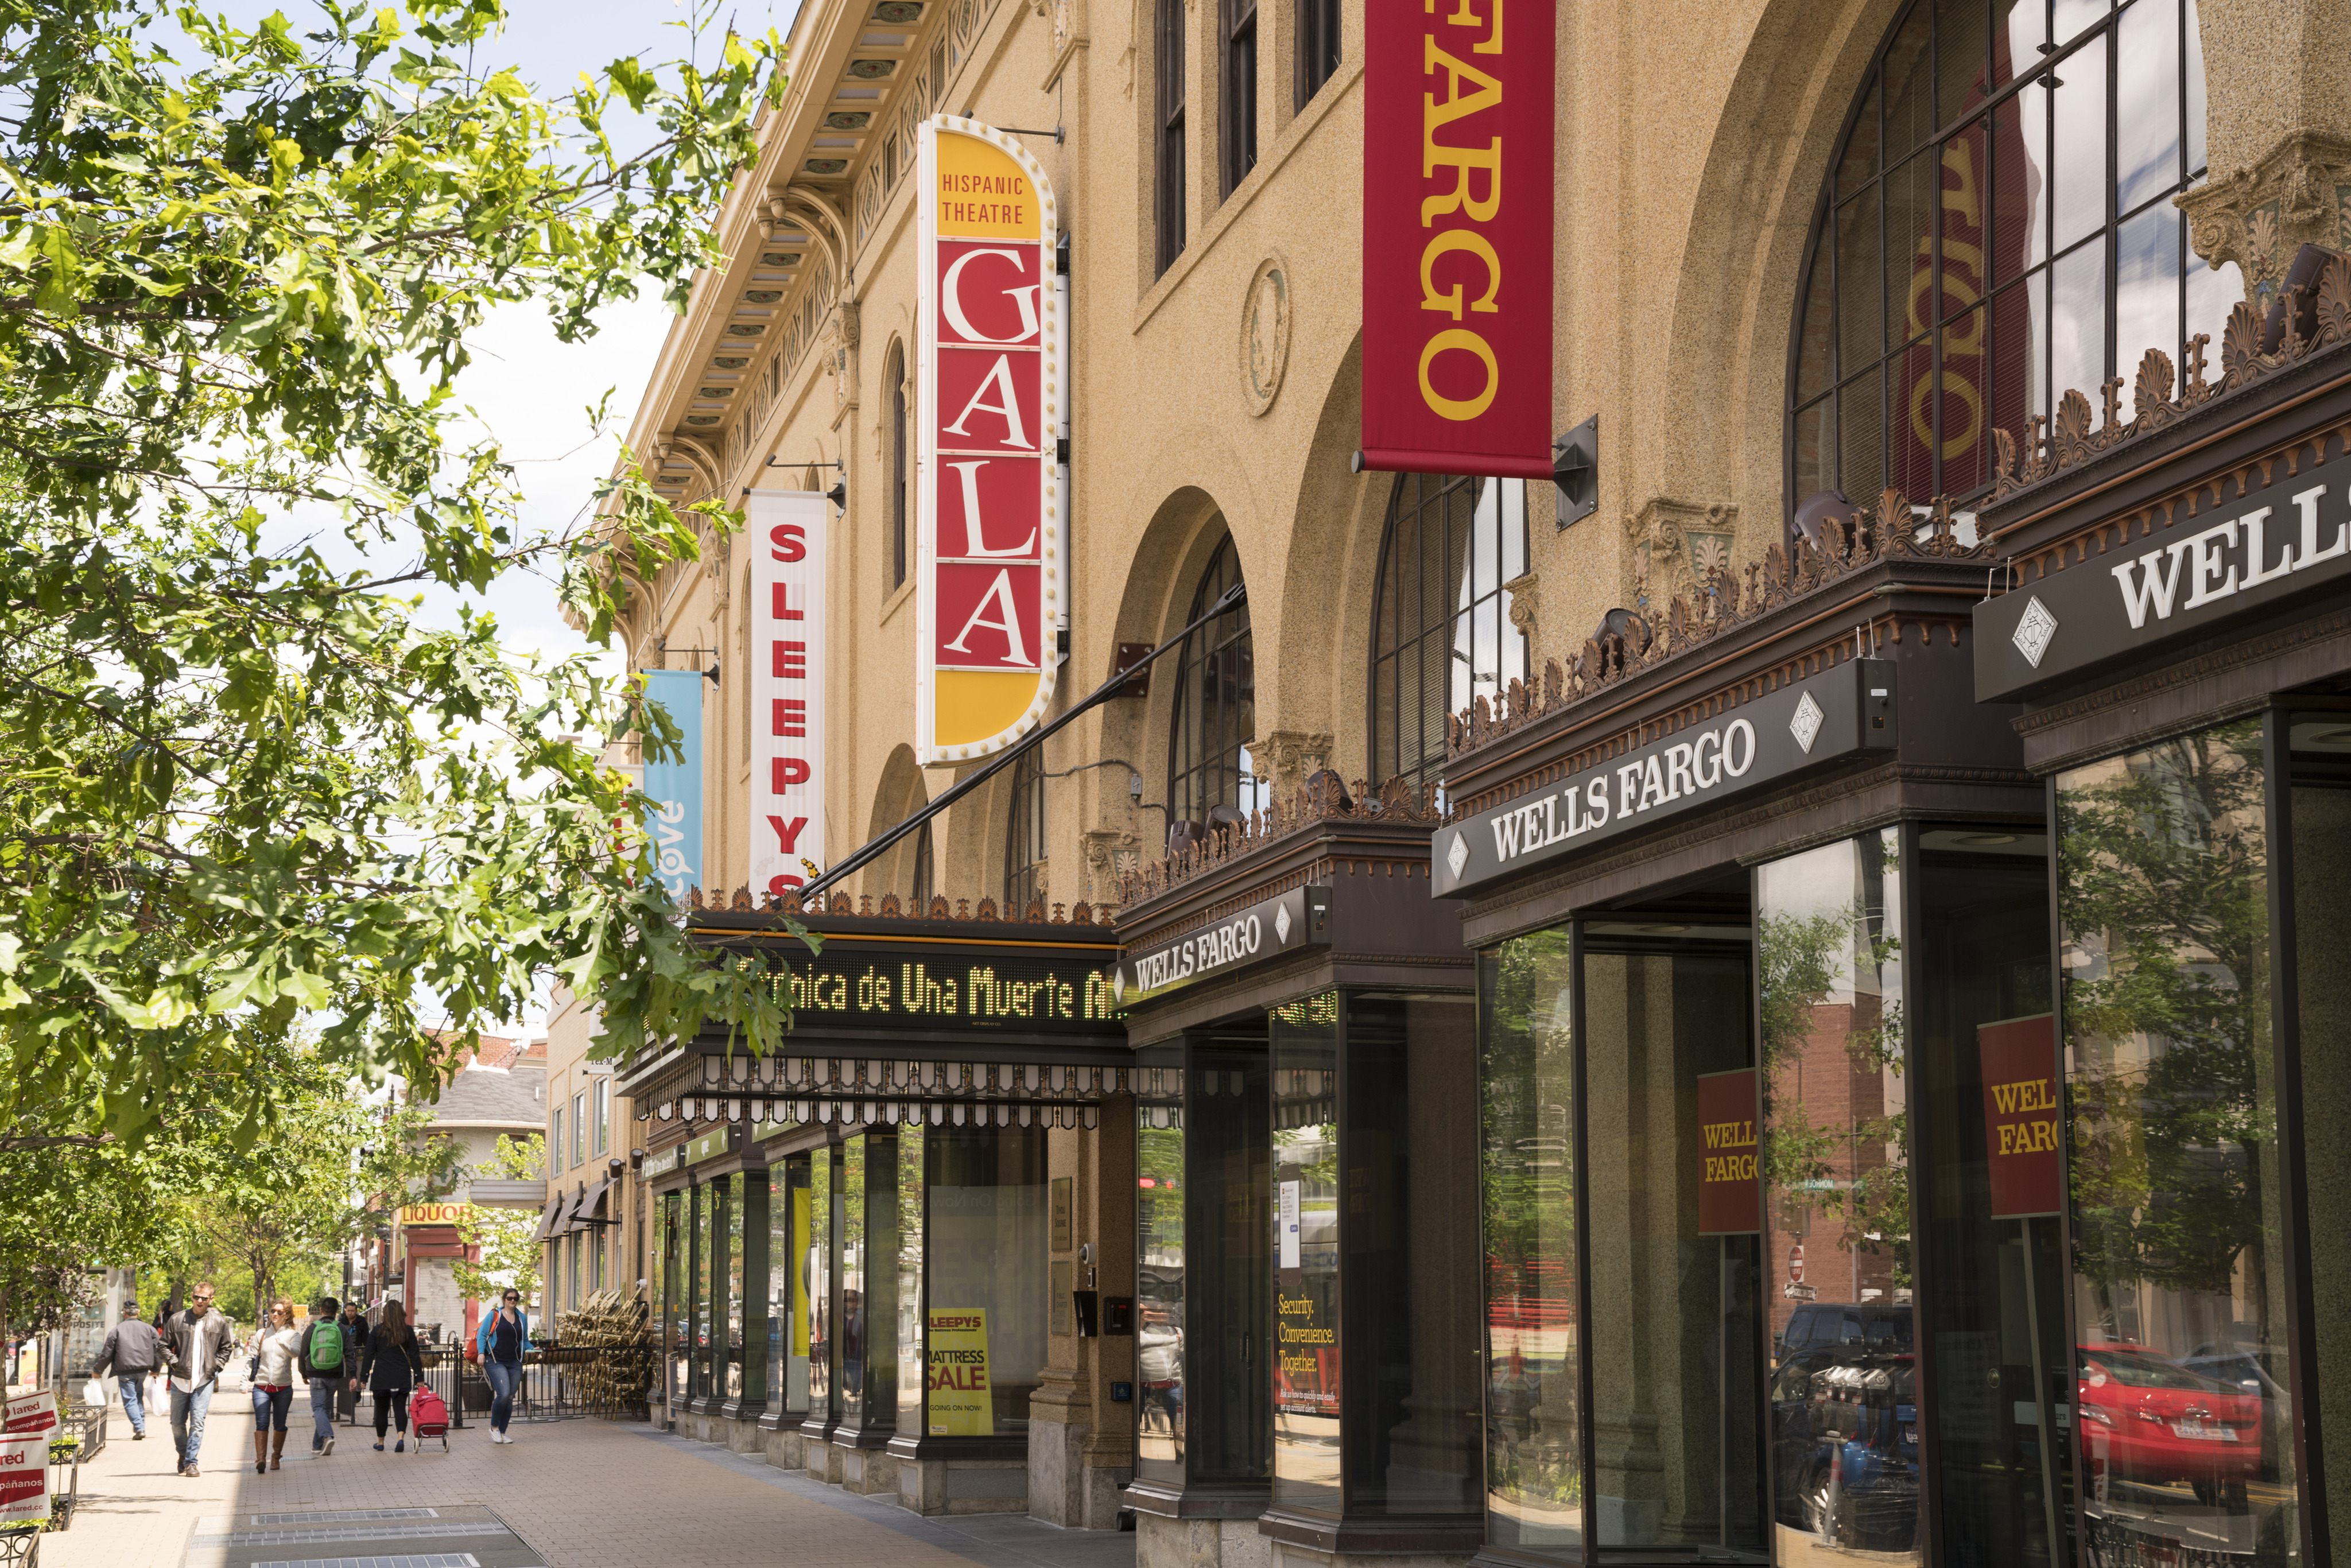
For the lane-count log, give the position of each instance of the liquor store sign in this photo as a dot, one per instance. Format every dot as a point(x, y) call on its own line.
point(2228, 562)
point(1269, 928)
point(1836, 713)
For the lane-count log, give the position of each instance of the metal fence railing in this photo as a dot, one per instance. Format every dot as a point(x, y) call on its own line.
point(559, 1383)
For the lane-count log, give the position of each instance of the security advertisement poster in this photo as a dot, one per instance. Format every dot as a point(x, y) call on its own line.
point(962, 1400)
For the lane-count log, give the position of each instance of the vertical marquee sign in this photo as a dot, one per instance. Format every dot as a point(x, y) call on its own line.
point(674, 823)
point(989, 407)
point(1457, 238)
point(786, 533)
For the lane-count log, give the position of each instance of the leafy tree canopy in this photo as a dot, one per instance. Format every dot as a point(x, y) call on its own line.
point(242, 787)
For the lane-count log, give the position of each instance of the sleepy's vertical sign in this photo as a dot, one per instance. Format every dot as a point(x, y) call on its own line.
point(1458, 238)
point(786, 531)
point(991, 405)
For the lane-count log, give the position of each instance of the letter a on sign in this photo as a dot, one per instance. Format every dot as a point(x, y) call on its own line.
point(986, 541)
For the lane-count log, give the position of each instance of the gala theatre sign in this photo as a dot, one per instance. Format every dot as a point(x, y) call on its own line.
point(989, 333)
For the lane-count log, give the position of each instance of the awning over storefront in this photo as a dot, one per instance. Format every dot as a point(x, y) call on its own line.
point(549, 1216)
point(587, 1209)
point(945, 1021)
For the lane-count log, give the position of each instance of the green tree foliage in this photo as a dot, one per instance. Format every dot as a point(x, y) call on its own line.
point(331, 1168)
point(509, 1257)
point(2164, 892)
point(245, 794)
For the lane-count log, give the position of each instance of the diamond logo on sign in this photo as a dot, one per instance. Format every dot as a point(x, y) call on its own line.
point(1118, 986)
point(1458, 855)
point(2033, 633)
point(1806, 723)
point(1281, 923)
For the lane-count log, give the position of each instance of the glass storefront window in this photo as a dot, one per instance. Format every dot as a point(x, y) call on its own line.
point(851, 1208)
point(1836, 1166)
point(1375, 1384)
point(817, 1272)
point(732, 1195)
point(1307, 1349)
point(988, 1232)
point(1228, 1273)
point(2183, 1363)
point(788, 1349)
point(913, 1377)
point(700, 1267)
point(1983, 1037)
point(869, 1257)
point(1160, 1195)
point(1675, 1312)
point(1534, 1447)
point(674, 1304)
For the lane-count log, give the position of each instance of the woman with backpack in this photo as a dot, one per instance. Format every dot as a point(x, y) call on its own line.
point(393, 1364)
point(324, 1367)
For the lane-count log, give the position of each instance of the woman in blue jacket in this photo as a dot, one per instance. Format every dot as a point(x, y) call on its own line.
point(501, 1340)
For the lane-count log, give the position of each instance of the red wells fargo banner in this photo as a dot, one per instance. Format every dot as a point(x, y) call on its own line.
point(2023, 1117)
point(1458, 238)
point(1730, 1182)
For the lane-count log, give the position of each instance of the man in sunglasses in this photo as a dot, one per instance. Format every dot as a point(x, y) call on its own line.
point(198, 1342)
point(500, 1342)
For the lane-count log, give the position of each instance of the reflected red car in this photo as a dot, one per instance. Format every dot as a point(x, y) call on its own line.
point(2145, 1417)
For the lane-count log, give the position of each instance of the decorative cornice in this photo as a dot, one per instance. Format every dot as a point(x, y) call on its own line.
point(1892, 531)
point(2070, 441)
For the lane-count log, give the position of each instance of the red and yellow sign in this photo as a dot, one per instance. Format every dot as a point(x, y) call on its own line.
point(960, 1400)
point(1729, 1183)
point(1457, 238)
point(991, 414)
point(2024, 1118)
point(433, 1213)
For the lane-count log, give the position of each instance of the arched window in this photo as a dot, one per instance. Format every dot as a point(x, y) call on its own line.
point(1441, 631)
point(1997, 228)
point(896, 374)
point(1024, 845)
point(1208, 762)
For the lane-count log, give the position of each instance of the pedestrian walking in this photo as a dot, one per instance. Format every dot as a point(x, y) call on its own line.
point(393, 1364)
point(325, 1362)
point(198, 1343)
point(132, 1351)
point(499, 1343)
point(355, 1338)
point(275, 1348)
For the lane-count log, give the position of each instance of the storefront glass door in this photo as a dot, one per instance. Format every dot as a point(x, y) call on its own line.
point(1675, 1322)
point(787, 1301)
point(2181, 1276)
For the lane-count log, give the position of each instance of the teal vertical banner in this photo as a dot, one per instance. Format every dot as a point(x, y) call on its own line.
point(674, 824)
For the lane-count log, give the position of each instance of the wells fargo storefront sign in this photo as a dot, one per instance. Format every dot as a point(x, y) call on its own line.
point(1457, 238)
point(989, 329)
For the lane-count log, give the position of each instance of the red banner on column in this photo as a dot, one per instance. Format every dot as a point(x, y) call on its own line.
point(1457, 238)
point(2025, 1120)
point(1730, 1182)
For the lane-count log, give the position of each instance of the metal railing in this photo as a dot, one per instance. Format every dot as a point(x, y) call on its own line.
point(559, 1383)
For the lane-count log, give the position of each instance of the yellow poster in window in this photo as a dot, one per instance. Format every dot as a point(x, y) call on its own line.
point(800, 1275)
point(962, 1402)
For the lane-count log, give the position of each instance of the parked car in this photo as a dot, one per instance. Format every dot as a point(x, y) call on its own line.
point(1874, 1325)
point(2145, 1417)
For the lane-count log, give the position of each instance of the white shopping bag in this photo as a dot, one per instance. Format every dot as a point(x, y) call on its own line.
point(95, 1393)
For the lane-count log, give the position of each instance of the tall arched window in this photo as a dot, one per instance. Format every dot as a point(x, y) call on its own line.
point(1441, 631)
point(1208, 761)
point(1024, 845)
point(1997, 228)
point(896, 374)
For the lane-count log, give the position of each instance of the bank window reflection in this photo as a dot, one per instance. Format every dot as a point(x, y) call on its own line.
point(1307, 1386)
point(1160, 1194)
point(2183, 1362)
point(1534, 1455)
point(1844, 1382)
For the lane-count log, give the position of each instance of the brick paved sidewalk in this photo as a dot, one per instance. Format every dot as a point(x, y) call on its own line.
point(584, 1494)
